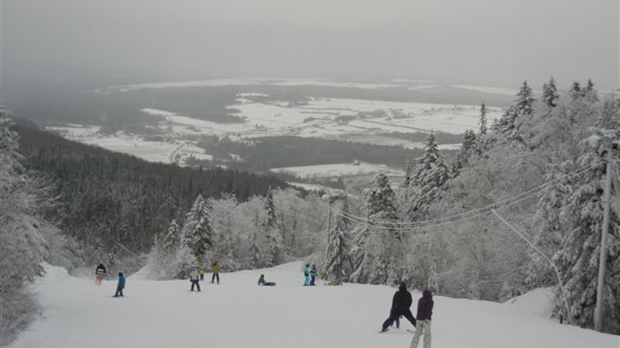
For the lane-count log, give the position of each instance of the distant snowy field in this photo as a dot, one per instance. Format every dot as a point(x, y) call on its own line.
point(238, 313)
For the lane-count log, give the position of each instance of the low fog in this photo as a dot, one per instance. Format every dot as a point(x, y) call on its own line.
point(489, 42)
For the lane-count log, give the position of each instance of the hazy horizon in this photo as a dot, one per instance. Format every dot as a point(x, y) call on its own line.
point(485, 42)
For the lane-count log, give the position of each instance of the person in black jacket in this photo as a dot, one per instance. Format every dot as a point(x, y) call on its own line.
point(401, 304)
point(425, 311)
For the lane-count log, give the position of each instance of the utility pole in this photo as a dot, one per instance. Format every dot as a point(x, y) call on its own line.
point(607, 142)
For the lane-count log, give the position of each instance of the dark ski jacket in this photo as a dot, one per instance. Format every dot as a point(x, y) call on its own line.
point(121, 280)
point(100, 270)
point(425, 306)
point(402, 298)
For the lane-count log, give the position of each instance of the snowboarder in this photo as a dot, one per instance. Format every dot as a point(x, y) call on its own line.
point(201, 273)
point(262, 281)
point(193, 278)
point(313, 273)
point(100, 273)
point(401, 304)
point(120, 286)
point(215, 268)
point(425, 310)
point(307, 275)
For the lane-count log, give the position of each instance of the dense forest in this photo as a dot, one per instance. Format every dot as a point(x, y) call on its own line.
point(107, 198)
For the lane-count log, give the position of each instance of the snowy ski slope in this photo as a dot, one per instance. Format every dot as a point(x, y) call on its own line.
point(238, 313)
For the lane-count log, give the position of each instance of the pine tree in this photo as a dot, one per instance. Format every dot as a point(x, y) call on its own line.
point(427, 182)
point(610, 115)
point(589, 93)
point(578, 258)
point(379, 251)
point(467, 148)
point(550, 94)
point(524, 104)
point(575, 91)
point(483, 120)
point(337, 256)
point(197, 232)
point(407, 174)
point(507, 123)
point(273, 236)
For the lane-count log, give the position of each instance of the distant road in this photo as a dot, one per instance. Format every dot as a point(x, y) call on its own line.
point(174, 152)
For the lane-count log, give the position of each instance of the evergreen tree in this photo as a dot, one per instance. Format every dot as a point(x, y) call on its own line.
point(578, 257)
point(407, 174)
point(467, 148)
point(610, 115)
point(550, 94)
point(197, 232)
point(483, 120)
point(337, 256)
point(382, 251)
point(507, 123)
point(575, 91)
point(589, 93)
point(524, 104)
point(427, 182)
point(273, 236)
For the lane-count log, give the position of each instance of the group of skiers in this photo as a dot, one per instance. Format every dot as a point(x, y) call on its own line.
point(401, 306)
point(197, 274)
point(401, 302)
point(310, 274)
point(101, 273)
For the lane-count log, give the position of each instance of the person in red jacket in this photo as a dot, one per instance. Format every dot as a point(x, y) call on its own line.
point(425, 311)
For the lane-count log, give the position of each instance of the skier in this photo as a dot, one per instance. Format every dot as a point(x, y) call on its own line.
point(262, 281)
point(193, 278)
point(215, 268)
point(401, 304)
point(120, 286)
point(100, 273)
point(201, 273)
point(313, 273)
point(307, 275)
point(425, 310)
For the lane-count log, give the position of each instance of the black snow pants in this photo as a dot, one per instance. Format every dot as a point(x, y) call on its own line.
point(395, 313)
point(195, 283)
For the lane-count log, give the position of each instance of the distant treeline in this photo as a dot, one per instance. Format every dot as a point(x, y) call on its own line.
point(109, 198)
point(286, 151)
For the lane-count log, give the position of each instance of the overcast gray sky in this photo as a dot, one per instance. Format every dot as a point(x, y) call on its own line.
point(490, 42)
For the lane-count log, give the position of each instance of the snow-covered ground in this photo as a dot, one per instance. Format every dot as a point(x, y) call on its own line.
point(238, 313)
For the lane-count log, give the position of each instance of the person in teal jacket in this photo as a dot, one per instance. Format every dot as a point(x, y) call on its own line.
point(307, 275)
point(120, 286)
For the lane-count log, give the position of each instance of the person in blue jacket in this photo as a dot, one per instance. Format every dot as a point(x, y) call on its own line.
point(120, 286)
point(307, 275)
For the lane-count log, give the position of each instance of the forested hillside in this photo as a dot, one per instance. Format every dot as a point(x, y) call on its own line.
point(108, 199)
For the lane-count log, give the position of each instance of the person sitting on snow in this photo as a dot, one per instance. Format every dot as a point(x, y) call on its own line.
point(262, 281)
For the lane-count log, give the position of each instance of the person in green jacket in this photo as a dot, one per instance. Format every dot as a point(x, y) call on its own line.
point(215, 268)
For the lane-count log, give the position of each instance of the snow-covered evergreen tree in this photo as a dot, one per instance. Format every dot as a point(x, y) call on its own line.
point(467, 149)
point(197, 233)
point(224, 212)
point(524, 104)
point(575, 91)
point(381, 256)
point(165, 260)
point(427, 181)
point(272, 252)
point(483, 120)
point(550, 94)
point(589, 92)
point(578, 257)
point(610, 116)
point(337, 261)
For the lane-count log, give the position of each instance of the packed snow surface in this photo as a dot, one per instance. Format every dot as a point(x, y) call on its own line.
point(238, 313)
